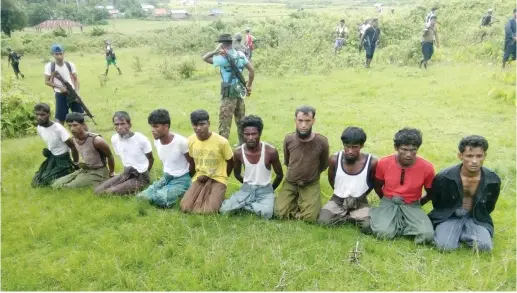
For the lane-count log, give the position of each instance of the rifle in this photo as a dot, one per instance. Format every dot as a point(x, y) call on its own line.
point(240, 78)
point(72, 96)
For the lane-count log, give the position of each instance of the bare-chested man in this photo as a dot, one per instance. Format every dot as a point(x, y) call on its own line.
point(256, 194)
point(463, 197)
point(351, 174)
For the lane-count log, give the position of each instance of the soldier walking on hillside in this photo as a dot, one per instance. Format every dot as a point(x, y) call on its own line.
point(369, 40)
point(14, 60)
point(509, 39)
point(231, 63)
point(429, 36)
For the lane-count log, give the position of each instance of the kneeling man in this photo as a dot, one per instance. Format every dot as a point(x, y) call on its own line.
point(351, 175)
point(212, 159)
point(256, 194)
point(136, 153)
point(399, 180)
point(463, 198)
point(93, 150)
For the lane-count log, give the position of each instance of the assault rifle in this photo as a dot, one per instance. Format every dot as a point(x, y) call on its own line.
point(240, 78)
point(72, 96)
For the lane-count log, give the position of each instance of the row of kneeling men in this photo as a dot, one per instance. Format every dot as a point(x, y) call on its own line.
point(196, 171)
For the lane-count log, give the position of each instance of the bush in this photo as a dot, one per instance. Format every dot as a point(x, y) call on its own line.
point(59, 32)
point(186, 68)
point(97, 31)
point(137, 65)
point(17, 111)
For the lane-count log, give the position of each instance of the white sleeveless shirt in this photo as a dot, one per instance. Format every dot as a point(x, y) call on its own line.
point(346, 185)
point(256, 174)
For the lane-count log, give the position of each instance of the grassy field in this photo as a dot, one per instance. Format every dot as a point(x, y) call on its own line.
point(73, 240)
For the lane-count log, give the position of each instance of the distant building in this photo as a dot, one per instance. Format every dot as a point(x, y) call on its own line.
point(179, 14)
point(160, 12)
point(216, 12)
point(147, 7)
point(114, 13)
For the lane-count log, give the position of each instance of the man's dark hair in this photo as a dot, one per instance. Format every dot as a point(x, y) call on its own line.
point(121, 115)
point(473, 141)
point(408, 136)
point(342, 20)
point(74, 117)
point(434, 17)
point(305, 110)
point(159, 116)
point(42, 107)
point(353, 135)
point(198, 116)
point(252, 121)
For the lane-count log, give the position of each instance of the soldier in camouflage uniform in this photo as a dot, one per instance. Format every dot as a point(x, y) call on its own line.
point(232, 93)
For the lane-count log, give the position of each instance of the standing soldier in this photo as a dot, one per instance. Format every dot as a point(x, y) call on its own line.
point(429, 36)
point(369, 40)
point(14, 60)
point(341, 33)
point(232, 91)
point(488, 18)
point(510, 38)
point(110, 57)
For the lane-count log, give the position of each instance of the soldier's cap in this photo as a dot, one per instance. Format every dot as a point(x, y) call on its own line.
point(8, 48)
point(434, 8)
point(224, 38)
point(237, 37)
point(434, 17)
point(56, 48)
point(342, 20)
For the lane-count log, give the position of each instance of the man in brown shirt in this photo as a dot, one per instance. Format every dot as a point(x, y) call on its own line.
point(306, 156)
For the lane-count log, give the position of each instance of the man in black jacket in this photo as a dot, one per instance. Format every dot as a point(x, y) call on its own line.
point(463, 197)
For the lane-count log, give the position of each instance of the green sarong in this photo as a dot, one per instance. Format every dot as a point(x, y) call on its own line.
point(82, 178)
point(394, 218)
point(52, 168)
point(298, 202)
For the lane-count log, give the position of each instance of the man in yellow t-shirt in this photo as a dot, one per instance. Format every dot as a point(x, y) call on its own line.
point(212, 157)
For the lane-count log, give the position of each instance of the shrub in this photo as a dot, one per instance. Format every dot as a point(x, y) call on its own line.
point(186, 68)
point(137, 65)
point(59, 32)
point(97, 31)
point(17, 111)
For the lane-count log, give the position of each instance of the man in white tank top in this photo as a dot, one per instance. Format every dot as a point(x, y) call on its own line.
point(351, 175)
point(257, 193)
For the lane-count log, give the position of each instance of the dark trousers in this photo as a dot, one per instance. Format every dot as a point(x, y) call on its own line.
point(427, 50)
point(62, 107)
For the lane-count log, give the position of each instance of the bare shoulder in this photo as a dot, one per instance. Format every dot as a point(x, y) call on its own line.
point(271, 150)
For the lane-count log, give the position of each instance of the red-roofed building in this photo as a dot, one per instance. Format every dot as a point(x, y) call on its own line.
point(161, 12)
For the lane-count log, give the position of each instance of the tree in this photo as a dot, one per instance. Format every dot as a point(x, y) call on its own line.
point(38, 13)
point(13, 17)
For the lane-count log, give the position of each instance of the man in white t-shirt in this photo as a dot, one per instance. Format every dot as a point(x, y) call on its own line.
point(67, 71)
point(136, 153)
point(59, 143)
point(173, 152)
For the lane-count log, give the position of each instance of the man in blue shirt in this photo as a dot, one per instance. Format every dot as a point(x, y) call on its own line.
point(509, 39)
point(232, 91)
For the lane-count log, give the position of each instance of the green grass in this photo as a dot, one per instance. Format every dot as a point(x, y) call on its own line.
point(73, 240)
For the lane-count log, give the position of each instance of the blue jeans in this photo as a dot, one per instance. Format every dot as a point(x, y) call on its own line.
point(62, 107)
point(449, 234)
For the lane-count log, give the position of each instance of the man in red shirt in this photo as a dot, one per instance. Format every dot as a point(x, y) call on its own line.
point(399, 180)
